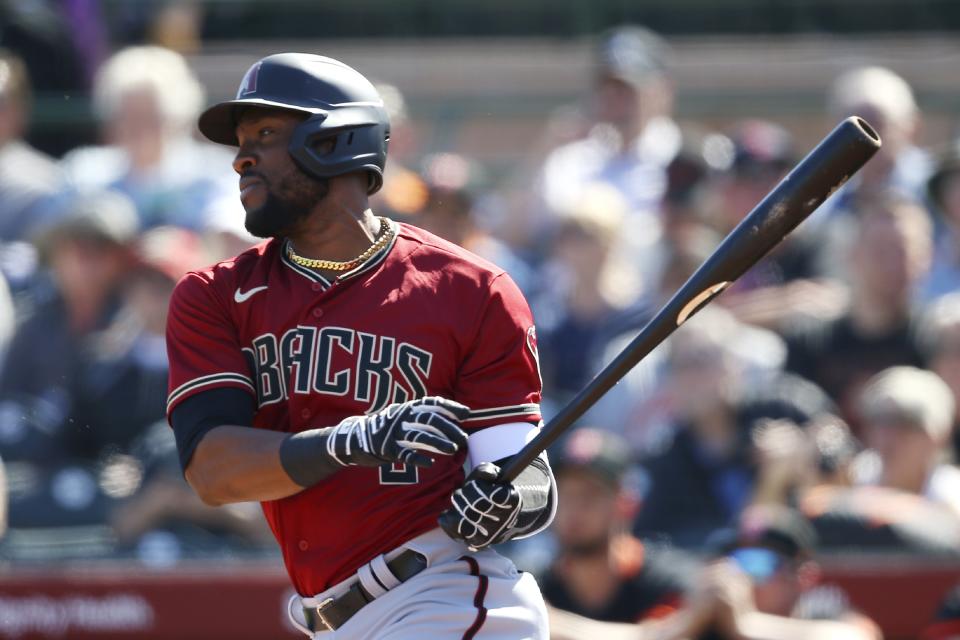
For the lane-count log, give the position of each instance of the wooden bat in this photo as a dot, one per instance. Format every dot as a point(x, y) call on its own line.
point(824, 170)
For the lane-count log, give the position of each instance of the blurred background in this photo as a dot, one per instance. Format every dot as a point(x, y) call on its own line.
point(788, 456)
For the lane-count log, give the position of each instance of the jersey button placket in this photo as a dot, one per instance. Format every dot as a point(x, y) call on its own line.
point(303, 545)
point(316, 286)
point(317, 313)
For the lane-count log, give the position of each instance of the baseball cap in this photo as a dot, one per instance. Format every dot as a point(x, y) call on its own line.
point(604, 454)
point(631, 53)
point(106, 217)
point(774, 528)
point(909, 395)
point(761, 147)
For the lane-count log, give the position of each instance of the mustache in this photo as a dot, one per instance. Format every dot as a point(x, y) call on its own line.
point(251, 173)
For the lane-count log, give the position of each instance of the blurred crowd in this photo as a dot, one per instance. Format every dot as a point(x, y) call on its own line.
point(810, 410)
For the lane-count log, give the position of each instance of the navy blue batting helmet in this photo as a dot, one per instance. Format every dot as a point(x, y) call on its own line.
point(342, 107)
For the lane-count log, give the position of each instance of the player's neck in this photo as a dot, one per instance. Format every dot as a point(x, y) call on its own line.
point(339, 228)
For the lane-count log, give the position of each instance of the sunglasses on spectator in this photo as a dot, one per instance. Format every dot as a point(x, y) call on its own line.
point(758, 563)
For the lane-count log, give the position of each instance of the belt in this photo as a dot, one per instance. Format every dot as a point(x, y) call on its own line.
point(333, 613)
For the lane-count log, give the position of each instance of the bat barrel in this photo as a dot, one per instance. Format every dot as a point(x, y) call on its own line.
point(821, 172)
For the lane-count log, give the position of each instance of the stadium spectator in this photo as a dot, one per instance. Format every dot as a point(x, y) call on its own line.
point(649, 403)
point(601, 571)
point(944, 193)
point(633, 139)
point(120, 384)
point(29, 179)
point(767, 586)
point(122, 390)
point(878, 330)
point(886, 101)
point(630, 142)
point(908, 418)
point(703, 472)
point(789, 281)
point(941, 342)
point(791, 461)
point(581, 290)
point(87, 258)
point(146, 99)
point(764, 585)
point(823, 474)
point(685, 235)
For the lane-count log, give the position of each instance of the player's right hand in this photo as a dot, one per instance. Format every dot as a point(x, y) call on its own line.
point(409, 433)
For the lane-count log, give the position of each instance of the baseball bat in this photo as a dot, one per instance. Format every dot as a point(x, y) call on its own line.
point(824, 170)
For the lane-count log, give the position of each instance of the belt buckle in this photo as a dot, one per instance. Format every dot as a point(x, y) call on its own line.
point(319, 611)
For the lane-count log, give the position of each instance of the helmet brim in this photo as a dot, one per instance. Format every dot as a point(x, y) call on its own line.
point(219, 122)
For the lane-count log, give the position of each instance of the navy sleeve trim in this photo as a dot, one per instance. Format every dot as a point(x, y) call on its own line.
point(192, 418)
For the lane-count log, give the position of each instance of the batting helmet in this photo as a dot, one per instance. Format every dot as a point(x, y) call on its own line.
point(343, 107)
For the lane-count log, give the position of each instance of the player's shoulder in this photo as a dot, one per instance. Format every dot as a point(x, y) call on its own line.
point(430, 251)
point(227, 275)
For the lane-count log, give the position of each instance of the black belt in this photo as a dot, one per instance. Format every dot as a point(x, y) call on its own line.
point(333, 613)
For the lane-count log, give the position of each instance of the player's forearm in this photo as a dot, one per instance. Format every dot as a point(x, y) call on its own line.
point(565, 625)
point(240, 464)
point(761, 626)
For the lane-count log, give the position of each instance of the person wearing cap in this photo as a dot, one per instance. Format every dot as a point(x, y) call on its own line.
point(908, 418)
point(29, 180)
point(85, 257)
point(601, 571)
point(122, 374)
point(790, 281)
point(765, 583)
point(630, 142)
point(762, 585)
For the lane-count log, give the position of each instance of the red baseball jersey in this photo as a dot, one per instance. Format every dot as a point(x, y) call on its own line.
point(424, 317)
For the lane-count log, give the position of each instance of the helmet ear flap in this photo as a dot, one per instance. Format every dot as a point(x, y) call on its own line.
point(323, 147)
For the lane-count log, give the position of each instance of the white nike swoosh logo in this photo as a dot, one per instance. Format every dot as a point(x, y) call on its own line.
point(243, 297)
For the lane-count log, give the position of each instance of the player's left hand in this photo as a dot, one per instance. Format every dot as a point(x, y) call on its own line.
point(484, 510)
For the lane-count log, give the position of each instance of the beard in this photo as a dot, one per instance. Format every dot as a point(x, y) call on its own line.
point(291, 200)
point(586, 548)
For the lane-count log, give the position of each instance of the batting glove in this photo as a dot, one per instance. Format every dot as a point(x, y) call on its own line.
point(484, 510)
point(408, 433)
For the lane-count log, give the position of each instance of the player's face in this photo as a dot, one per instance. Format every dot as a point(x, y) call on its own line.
point(274, 192)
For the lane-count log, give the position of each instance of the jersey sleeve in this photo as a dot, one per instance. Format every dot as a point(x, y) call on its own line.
point(500, 375)
point(202, 344)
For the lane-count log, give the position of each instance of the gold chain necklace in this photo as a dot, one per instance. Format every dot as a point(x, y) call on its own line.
point(385, 236)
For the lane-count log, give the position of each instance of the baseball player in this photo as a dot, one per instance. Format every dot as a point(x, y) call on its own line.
point(349, 371)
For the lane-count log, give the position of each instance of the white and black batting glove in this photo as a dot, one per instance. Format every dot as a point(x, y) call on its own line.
point(409, 433)
point(484, 511)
